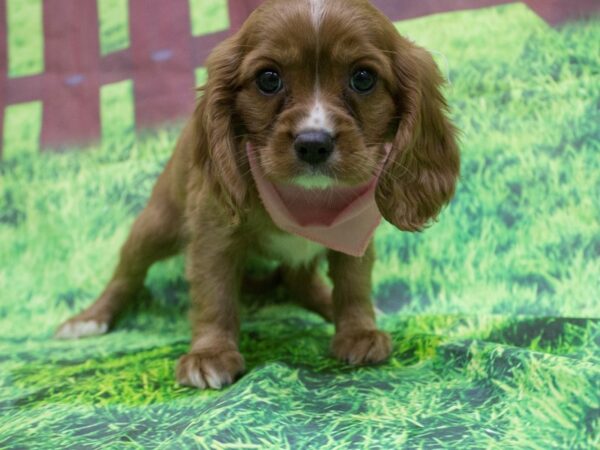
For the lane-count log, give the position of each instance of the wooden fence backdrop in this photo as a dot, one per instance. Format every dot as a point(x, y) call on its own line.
point(161, 59)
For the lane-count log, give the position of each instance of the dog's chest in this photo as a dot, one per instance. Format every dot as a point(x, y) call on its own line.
point(290, 249)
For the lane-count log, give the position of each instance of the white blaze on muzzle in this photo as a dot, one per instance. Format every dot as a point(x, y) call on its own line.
point(340, 218)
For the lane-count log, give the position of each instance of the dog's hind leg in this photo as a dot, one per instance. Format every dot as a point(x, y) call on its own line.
point(156, 234)
point(308, 288)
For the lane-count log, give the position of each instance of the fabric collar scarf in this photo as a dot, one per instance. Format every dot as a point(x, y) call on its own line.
point(341, 218)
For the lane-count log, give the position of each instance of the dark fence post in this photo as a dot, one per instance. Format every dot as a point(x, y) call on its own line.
point(3, 69)
point(161, 53)
point(71, 83)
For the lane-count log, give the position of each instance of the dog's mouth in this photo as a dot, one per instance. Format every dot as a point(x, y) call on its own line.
point(310, 200)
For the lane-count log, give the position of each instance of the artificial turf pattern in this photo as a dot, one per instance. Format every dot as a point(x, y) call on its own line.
point(487, 350)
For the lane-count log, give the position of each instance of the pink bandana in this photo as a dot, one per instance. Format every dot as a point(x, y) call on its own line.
point(341, 218)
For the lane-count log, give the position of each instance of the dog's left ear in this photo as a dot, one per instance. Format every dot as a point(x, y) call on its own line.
point(423, 166)
point(218, 151)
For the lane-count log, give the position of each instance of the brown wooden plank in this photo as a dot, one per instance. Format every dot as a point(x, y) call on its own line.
point(3, 69)
point(163, 74)
point(71, 112)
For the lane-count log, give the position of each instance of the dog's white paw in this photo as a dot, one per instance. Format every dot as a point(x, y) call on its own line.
point(81, 328)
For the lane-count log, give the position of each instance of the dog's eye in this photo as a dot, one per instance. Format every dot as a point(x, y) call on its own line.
point(269, 82)
point(363, 81)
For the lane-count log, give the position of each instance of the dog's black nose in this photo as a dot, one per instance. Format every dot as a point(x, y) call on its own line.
point(314, 147)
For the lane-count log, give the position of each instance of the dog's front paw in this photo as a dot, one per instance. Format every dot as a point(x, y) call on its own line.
point(361, 346)
point(209, 369)
point(79, 327)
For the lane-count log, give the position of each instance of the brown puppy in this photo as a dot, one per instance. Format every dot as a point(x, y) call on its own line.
point(320, 90)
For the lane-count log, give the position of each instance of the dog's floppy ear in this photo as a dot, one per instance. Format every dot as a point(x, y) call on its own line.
point(423, 166)
point(218, 151)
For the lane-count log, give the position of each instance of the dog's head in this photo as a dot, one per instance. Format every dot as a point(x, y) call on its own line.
point(319, 87)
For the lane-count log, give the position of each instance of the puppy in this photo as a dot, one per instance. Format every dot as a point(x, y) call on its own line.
point(317, 119)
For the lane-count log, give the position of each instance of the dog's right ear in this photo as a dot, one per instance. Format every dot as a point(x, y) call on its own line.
point(218, 151)
point(424, 164)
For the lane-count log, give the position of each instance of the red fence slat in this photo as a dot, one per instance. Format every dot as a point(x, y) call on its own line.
point(71, 86)
point(115, 67)
point(410, 9)
point(163, 74)
point(3, 69)
point(203, 45)
point(239, 10)
point(24, 89)
point(556, 12)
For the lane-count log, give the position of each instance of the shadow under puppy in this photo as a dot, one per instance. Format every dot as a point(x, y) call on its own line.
point(317, 119)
